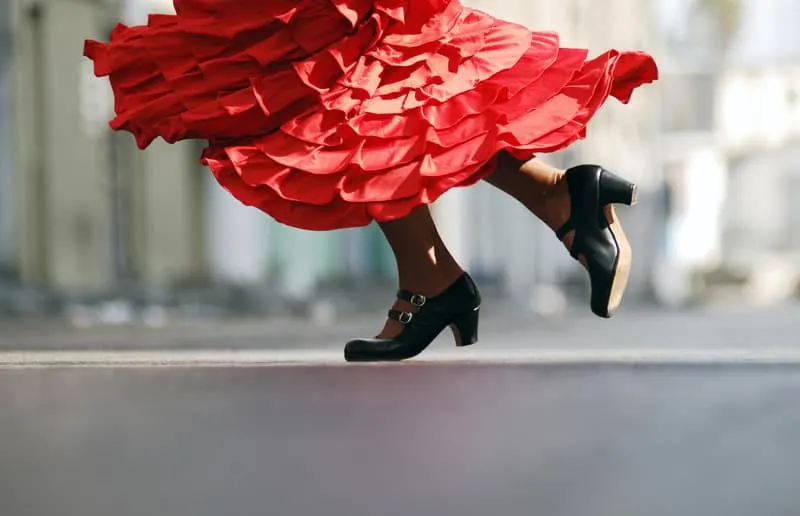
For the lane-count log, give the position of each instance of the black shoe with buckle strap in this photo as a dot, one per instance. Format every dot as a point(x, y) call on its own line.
point(457, 307)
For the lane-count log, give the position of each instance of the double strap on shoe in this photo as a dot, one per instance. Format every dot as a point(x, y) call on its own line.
point(416, 300)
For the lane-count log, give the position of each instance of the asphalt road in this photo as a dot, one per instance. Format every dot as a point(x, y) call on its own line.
point(404, 440)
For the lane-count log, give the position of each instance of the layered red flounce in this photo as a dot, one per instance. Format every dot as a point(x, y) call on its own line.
point(328, 114)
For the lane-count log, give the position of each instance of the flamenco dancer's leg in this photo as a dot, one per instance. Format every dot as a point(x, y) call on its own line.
point(424, 264)
point(539, 186)
point(578, 205)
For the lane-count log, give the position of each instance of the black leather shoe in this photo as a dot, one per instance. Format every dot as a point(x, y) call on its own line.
point(599, 239)
point(457, 307)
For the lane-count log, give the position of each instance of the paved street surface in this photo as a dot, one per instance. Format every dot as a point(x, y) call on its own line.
point(430, 438)
point(414, 440)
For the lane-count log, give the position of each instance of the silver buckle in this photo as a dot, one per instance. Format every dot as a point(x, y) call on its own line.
point(405, 317)
point(418, 300)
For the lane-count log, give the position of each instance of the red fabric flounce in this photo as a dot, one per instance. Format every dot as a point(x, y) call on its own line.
point(328, 114)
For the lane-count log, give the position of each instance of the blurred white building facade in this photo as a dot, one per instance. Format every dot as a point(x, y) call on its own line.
point(82, 211)
point(7, 238)
point(494, 236)
point(488, 232)
point(107, 216)
point(731, 144)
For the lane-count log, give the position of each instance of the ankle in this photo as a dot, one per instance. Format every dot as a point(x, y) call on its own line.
point(430, 282)
point(554, 205)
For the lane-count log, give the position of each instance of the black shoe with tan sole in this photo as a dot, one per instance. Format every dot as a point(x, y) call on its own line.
point(599, 241)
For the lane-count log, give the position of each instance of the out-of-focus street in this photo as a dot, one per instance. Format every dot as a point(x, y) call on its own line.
point(503, 327)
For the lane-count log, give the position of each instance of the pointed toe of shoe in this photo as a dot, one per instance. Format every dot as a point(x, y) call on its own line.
point(376, 350)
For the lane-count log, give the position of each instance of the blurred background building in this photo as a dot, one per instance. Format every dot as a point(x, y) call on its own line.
point(86, 218)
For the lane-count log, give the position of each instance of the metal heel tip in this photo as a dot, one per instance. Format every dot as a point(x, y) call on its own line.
point(634, 195)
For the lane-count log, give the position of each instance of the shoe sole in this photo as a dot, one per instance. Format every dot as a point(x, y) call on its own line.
point(619, 283)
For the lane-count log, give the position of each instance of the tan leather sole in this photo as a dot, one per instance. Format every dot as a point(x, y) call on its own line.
point(620, 282)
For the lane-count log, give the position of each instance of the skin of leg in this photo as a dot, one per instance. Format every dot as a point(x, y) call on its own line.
point(539, 186)
point(543, 189)
point(424, 264)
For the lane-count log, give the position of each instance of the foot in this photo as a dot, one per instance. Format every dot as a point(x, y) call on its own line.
point(577, 205)
point(431, 286)
point(592, 232)
point(555, 210)
point(457, 307)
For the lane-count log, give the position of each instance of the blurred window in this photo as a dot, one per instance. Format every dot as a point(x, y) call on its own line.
point(6, 209)
point(793, 193)
point(688, 102)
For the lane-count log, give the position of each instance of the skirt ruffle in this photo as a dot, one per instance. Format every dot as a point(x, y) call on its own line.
point(328, 114)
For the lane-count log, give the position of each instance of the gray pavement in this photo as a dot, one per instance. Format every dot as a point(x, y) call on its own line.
point(424, 438)
point(411, 440)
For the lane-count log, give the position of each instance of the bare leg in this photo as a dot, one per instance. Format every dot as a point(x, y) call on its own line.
point(424, 264)
point(605, 252)
point(539, 186)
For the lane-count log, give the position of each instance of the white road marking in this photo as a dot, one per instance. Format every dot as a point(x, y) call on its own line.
point(275, 358)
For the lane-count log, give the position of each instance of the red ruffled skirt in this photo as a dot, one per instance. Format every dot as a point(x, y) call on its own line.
point(328, 114)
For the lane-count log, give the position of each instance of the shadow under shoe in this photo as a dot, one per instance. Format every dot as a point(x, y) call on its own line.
point(458, 307)
point(599, 241)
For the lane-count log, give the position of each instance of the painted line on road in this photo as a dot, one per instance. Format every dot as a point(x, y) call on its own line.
point(277, 358)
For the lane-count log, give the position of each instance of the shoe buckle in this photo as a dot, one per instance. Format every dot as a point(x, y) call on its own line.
point(418, 300)
point(405, 317)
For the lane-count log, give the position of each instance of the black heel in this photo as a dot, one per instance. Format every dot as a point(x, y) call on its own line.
point(615, 190)
point(599, 240)
point(465, 328)
point(458, 307)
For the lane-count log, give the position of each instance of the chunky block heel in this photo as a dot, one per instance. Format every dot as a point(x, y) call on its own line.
point(615, 190)
point(465, 328)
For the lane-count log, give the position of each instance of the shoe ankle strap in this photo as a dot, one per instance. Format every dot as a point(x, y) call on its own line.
point(416, 300)
point(562, 232)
